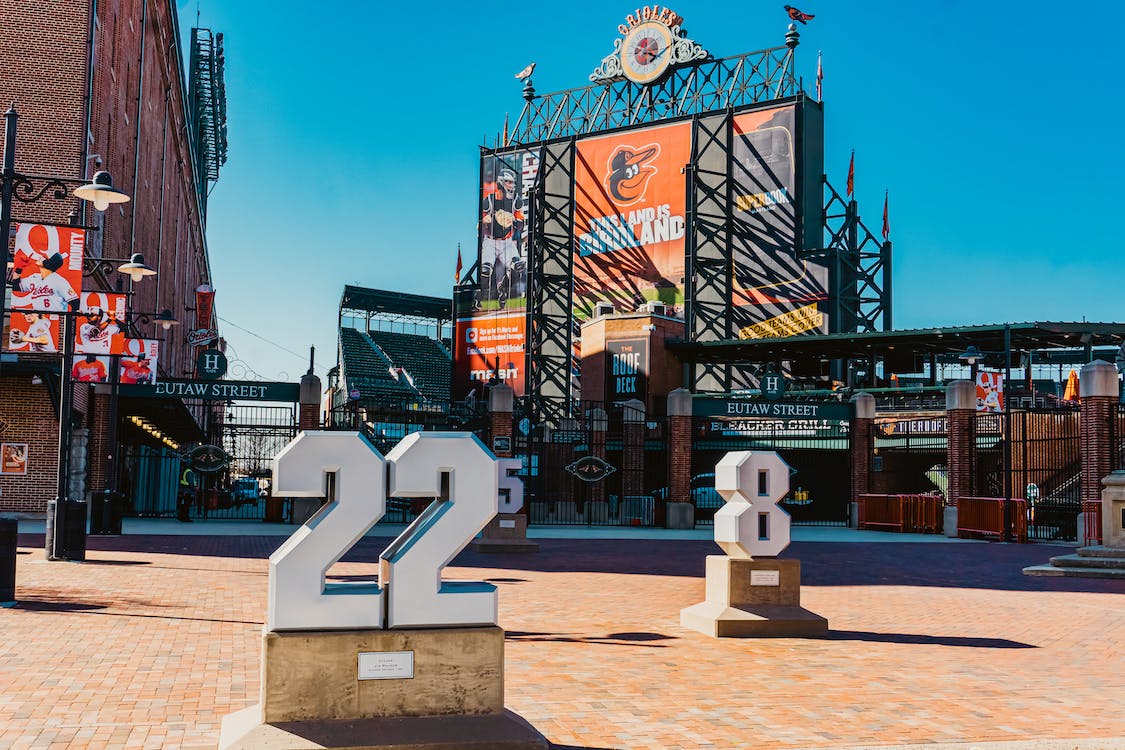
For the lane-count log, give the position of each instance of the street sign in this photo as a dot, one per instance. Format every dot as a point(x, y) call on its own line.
point(217, 390)
point(211, 364)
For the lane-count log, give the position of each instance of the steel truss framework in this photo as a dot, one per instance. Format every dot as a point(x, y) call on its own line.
point(710, 92)
point(208, 107)
point(693, 89)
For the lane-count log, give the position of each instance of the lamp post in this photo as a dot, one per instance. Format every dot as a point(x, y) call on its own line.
point(30, 189)
point(107, 519)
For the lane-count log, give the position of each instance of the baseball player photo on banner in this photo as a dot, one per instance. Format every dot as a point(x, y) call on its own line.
point(506, 181)
point(46, 267)
point(139, 361)
point(99, 326)
point(629, 218)
point(33, 332)
point(90, 369)
point(775, 293)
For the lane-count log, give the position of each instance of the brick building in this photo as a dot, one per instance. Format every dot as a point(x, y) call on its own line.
point(103, 85)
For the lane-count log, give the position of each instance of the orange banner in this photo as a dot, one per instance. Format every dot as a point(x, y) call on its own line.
point(629, 218)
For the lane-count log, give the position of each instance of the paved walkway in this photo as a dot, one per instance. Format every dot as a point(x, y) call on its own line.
point(157, 636)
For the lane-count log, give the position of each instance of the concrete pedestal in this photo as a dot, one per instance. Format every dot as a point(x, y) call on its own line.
point(679, 516)
point(753, 599)
point(507, 532)
point(949, 521)
point(448, 693)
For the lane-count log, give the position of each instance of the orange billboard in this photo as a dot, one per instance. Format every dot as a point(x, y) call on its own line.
point(629, 218)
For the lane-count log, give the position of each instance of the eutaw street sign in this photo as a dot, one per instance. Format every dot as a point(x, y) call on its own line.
point(215, 390)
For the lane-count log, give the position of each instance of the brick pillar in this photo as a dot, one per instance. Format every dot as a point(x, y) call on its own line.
point(862, 427)
point(633, 454)
point(308, 412)
point(507, 531)
point(679, 511)
point(1098, 388)
point(961, 410)
point(501, 400)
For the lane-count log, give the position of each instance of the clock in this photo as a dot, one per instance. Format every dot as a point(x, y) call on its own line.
point(645, 52)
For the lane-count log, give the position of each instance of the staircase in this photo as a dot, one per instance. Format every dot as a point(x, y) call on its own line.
point(1089, 562)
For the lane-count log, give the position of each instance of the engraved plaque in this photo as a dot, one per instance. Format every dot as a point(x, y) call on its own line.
point(386, 665)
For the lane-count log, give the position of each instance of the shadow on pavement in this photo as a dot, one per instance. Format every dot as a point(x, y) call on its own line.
point(929, 640)
point(613, 639)
point(989, 566)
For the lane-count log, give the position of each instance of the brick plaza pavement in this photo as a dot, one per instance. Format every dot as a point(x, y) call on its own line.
point(155, 638)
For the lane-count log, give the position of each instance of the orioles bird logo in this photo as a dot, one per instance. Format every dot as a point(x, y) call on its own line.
point(630, 171)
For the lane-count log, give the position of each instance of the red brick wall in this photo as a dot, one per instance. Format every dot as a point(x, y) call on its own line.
point(29, 417)
point(500, 425)
point(43, 72)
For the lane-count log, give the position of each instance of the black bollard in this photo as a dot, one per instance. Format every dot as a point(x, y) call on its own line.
point(8, 543)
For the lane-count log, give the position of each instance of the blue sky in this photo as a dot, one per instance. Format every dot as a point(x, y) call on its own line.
point(354, 137)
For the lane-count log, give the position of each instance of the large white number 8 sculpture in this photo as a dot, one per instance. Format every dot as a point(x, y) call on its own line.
point(411, 566)
point(299, 598)
point(751, 523)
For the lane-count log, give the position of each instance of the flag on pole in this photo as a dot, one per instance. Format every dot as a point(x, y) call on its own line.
point(505, 128)
point(457, 273)
point(886, 216)
point(851, 175)
point(819, 79)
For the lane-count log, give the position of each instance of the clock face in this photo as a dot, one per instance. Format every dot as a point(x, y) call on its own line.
point(645, 52)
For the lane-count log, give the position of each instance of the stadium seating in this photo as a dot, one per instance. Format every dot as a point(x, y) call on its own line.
point(425, 360)
point(371, 361)
point(367, 369)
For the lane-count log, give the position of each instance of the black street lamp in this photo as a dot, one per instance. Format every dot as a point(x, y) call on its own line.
point(63, 541)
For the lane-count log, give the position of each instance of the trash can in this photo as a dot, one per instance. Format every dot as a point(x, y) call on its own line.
point(8, 543)
point(67, 542)
point(105, 513)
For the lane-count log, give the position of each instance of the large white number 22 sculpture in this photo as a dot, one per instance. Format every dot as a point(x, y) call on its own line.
point(751, 523)
point(410, 592)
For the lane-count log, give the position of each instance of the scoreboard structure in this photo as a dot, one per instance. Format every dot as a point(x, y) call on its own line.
point(675, 183)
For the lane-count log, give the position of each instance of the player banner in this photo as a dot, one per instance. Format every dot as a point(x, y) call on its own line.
point(101, 317)
point(91, 369)
point(629, 218)
point(488, 346)
point(775, 293)
point(46, 267)
point(990, 392)
point(33, 332)
point(139, 361)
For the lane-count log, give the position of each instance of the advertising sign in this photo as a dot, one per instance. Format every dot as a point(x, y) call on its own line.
point(13, 459)
point(98, 329)
point(626, 369)
point(46, 266)
point(139, 361)
point(33, 332)
point(506, 182)
point(990, 392)
point(775, 293)
point(629, 218)
point(488, 346)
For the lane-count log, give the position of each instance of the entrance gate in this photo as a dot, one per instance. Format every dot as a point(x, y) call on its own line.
point(251, 435)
